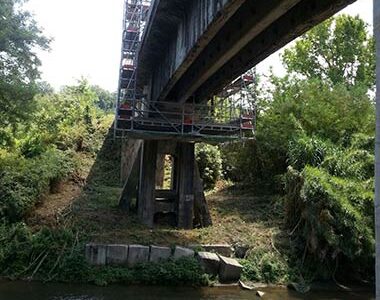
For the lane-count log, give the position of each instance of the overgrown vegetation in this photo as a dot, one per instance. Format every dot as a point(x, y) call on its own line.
point(58, 255)
point(314, 147)
point(314, 144)
point(209, 163)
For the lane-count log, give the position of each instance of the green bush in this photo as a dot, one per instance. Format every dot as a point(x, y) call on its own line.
point(210, 164)
point(351, 163)
point(57, 254)
point(44, 254)
point(185, 271)
point(23, 181)
point(266, 266)
point(43, 149)
point(306, 150)
point(332, 218)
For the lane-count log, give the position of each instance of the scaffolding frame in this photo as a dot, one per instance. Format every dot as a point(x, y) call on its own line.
point(135, 13)
point(227, 116)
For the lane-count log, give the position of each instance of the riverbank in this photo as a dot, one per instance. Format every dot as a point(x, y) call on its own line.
point(84, 209)
point(88, 207)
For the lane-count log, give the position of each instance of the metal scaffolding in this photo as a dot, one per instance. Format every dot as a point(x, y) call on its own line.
point(135, 16)
point(227, 116)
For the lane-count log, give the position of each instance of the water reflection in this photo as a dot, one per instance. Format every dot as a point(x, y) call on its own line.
point(40, 291)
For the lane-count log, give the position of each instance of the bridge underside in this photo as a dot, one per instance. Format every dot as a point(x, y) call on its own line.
point(189, 52)
point(194, 50)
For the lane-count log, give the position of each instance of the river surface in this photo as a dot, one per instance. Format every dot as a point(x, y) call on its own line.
point(40, 291)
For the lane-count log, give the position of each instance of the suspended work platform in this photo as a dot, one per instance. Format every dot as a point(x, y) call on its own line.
point(227, 117)
point(164, 120)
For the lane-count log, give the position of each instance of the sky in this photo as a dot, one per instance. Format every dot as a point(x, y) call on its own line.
point(87, 40)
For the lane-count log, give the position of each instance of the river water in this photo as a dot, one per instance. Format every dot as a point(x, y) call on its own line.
point(40, 291)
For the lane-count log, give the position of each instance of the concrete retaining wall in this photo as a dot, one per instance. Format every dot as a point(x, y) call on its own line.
point(228, 269)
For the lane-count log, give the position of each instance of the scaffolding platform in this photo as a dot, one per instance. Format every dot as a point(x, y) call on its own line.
point(194, 122)
point(230, 116)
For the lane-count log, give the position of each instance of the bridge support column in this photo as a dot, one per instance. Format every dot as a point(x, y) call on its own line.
point(129, 171)
point(186, 160)
point(146, 201)
point(184, 198)
point(160, 172)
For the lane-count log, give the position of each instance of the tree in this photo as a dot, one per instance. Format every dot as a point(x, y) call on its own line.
point(20, 37)
point(376, 8)
point(340, 50)
point(106, 100)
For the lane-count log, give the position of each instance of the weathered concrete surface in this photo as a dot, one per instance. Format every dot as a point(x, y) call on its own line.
point(146, 206)
point(137, 254)
point(230, 269)
point(96, 254)
point(222, 249)
point(180, 252)
point(117, 254)
point(210, 262)
point(176, 33)
point(277, 34)
point(159, 253)
point(196, 47)
point(129, 168)
point(186, 161)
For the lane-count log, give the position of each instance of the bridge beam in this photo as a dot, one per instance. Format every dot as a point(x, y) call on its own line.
point(301, 18)
point(176, 34)
point(249, 21)
point(196, 47)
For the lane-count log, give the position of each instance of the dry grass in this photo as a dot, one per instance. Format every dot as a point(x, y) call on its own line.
point(238, 219)
point(239, 216)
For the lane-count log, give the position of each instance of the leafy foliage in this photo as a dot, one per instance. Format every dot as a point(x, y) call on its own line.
point(19, 39)
point(264, 266)
point(210, 163)
point(314, 142)
point(333, 218)
point(43, 152)
point(168, 273)
point(340, 51)
point(105, 100)
point(56, 254)
point(23, 180)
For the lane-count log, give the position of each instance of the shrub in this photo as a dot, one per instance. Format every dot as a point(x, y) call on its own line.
point(266, 266)
point(56, 254)
point(332, 217)
point(22, 181)
point(306, 150)
point(43, 254)
point(210, 164)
